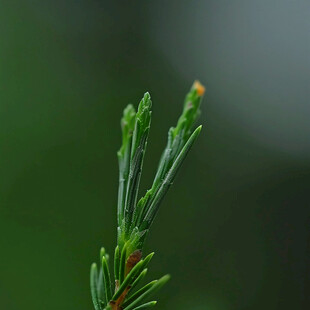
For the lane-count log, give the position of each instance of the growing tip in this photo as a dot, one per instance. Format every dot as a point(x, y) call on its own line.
point(147, 99)
point(199, 88)
point(145, 105)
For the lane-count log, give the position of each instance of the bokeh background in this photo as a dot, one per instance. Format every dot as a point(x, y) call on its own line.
point(67, 70)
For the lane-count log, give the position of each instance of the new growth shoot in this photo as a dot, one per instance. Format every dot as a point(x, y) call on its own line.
point(135, 217)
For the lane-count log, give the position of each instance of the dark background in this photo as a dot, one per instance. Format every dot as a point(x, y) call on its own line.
point(67, 70)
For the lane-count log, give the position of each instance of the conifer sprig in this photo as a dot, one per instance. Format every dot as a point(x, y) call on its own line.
point(134, 217)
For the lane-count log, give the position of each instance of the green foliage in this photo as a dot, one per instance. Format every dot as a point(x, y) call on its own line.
point(135, 217)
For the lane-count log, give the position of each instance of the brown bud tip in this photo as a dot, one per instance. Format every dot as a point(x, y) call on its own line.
point(133, 259)
point(199, 87)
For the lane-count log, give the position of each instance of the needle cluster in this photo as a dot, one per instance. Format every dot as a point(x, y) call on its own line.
point(134, 217)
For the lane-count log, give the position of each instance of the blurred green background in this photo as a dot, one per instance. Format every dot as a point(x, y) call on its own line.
point(67, 70)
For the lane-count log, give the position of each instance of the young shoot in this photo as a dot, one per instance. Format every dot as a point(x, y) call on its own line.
point(135, 217)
